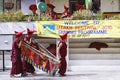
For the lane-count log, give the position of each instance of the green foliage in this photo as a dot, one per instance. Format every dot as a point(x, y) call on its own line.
point(99, 16)
point(15, 16)
point(86, 15)
point(82, 15)
point(11, 16)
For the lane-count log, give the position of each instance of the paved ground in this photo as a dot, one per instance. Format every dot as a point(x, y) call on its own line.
point(83, 75)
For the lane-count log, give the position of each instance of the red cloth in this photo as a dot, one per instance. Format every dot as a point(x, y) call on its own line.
point(66, 7)
point(33, 7)
point(79, 6)
point(52, 49)
point(18, 34)
point(51, 6)
point(98, 45)
point(30, 31)
point(16, 59)
point(63, 66)
point(64, 36)
point(66, 14)
point(27, 67)
point(63, 54)
point(51, 14)
point(54, 15)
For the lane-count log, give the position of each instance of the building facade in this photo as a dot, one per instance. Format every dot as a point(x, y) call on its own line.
point(80, 57)
point(104, 5)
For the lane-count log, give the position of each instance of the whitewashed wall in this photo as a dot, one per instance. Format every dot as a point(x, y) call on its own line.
point(58, 3)
point(7, 28)
point(25, 5)
point(110, 5)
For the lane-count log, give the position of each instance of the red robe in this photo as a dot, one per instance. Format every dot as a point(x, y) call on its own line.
point(54, 15)
point(66, 14)
point(16, 59)
point(27, 67)
point(63, 54)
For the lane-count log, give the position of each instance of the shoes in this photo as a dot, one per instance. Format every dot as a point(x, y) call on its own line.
point(24, 74)
point(61, 75)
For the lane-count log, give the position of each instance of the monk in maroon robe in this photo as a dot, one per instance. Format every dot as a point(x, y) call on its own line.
point(62, 51)
point(16, 56)
point(50, 12)
point(27, 67)
point(66, 12)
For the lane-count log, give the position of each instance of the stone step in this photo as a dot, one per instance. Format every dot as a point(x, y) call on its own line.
point(94, 56)
point(94, 68)
point(93, 50)
point(46, 40)
point(106, 40)
point(94, 65)
point(93, 62)
point(86, 45)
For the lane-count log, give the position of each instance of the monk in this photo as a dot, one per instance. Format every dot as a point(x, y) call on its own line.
point(66, 12)
point(50, 12)
point(27, 67)
point(62, 52)
point(16, 56)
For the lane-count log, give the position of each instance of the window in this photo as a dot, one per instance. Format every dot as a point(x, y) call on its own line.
point(82, 2)
point(1, 5)
point(6, 5)
point(73, 2)
point(95, 6)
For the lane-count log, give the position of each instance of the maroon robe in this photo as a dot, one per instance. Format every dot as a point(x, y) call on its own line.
point(27, 67)
point(66, 14)
point(54, 15)
point(16, 59)
point(63, 54)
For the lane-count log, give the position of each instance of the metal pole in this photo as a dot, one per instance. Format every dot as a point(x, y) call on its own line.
point(3, 6)
point(3, 62)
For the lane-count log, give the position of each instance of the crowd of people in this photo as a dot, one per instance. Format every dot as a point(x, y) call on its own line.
point(20, 66)
point(50, 13)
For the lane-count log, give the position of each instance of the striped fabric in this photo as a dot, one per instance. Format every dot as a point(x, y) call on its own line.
point(40, 57)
